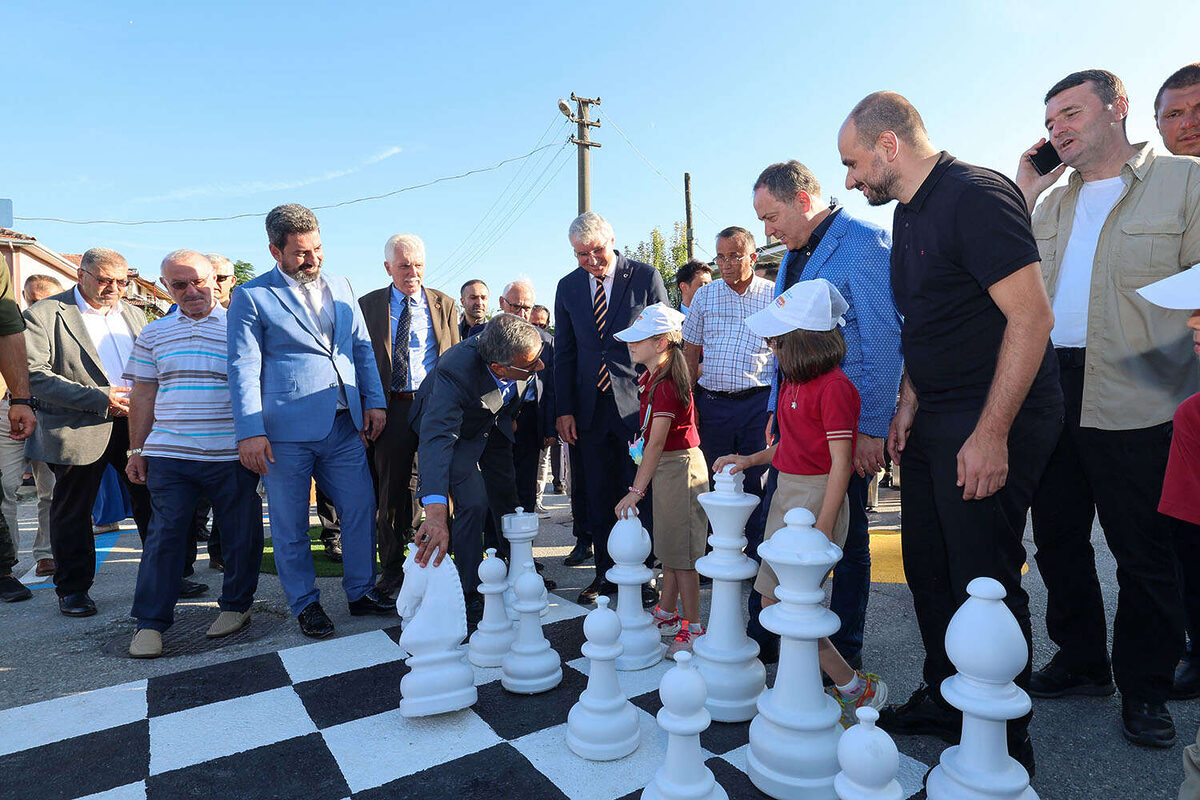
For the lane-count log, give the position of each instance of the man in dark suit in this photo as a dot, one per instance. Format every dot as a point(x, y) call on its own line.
point(472, 396)
point(595, 384)
point(410, 327)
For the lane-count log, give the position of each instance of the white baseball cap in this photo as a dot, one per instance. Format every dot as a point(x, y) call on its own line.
point(1180, 291)
point(655, 319)
point(814, 305)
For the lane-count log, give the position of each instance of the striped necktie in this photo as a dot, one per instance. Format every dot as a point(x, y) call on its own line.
point(400, 371)
point(600, 310)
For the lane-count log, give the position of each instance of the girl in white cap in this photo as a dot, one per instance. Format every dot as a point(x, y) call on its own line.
point(817, 414)
point(668, 455)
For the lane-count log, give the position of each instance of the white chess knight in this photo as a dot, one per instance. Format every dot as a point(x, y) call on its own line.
point(725, 655)
point(869, 761)
point(985, 644)
point(794, 738)
point(531, 665)
point(495, 634)
point(433, 619)
point(519, 528)
point(603, 725)
point(629, 544)
point(683, 775)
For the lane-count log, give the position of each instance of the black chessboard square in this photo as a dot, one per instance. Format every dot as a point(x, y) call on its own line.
point(166, 694)
point(352, 695)
point(566, 637)
point(497, 773)
point(512, 716)
point(79, 766)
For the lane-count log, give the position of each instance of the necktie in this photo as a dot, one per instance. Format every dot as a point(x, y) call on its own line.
point(600, 310)
point(400, 373)
point(312, 291)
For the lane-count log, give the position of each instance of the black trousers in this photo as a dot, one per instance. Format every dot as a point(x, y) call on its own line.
point(75, 489)
point(607, 469)
point(947, 542)
point(1186, 538)
point(1118, 475)
point(392, 457)
point(579, 508)
point(527, 455)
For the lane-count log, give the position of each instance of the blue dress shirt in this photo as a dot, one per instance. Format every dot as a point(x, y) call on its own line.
point(422, 345)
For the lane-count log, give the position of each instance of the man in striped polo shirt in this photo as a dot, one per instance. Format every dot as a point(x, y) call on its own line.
point(183, 447)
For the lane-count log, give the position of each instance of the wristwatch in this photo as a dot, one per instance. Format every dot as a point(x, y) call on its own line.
point(137, 451)
point(32, 402)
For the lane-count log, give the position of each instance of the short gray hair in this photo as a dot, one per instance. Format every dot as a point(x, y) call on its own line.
point(185, 256)
point(513, 284)
point(282, 221)
point(102, 255)
point(787, 178)
point(218, 260)
point(505, 337)
point(738, 232)
point(590, 226)
point(409, 241)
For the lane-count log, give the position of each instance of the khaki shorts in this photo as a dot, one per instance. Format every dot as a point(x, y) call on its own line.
point(680, 524)
point(796, 491)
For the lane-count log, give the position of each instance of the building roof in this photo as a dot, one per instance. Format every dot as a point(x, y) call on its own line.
point(74, 258)
point(8, 233)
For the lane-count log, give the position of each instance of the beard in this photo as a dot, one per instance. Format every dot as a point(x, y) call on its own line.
point(302, 276)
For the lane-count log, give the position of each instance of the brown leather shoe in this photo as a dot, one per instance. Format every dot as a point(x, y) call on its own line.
point(45, 566)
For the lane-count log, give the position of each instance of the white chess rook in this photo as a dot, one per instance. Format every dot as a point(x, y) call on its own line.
point(869, 761)
point(519, 528)
point(725, 656)
point(683, 775)
point(603, 725)
point(492, 639)
point(629, 544)
point(531, 665)
point(986, 645)
point(794, 738)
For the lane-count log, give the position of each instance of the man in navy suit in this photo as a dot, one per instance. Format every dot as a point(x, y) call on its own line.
point(306, 396)
point(595, 383)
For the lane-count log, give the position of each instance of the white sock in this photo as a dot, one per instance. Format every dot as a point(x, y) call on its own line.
point(854, 687)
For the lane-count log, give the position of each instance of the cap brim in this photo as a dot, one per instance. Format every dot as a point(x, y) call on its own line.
point(764, 323)
point(1180, 291)
point(632, 334)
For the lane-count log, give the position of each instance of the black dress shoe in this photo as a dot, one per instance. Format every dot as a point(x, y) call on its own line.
point(216, 563)
point(333, 549)
point(78, 604)
point(1147, 724)
point(923, 715)
point(1187, 681)
point(12, 590)
point(649, 595)
point(372, 603)
point(474, 610)
point(580, 553)
point(1022, 750)
point(1057, 680)
point(595, 589)
point(315, 622)
point(192, 588)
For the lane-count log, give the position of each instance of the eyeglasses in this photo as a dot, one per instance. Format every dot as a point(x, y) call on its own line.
point(731, 259)
point(224, 278)
point(536, 366)
point(120, 284)
point(179, 286)
point(517, 306)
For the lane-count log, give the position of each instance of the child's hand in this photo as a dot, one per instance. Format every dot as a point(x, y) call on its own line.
point(739, 463)
point(628, 506)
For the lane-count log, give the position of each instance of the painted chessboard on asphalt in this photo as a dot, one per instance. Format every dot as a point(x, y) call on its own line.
point(320, 722)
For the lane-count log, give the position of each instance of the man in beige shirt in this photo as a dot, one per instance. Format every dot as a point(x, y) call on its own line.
point(1127, 217)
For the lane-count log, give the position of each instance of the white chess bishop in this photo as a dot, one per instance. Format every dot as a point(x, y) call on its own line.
point(683, 775)
point(725, 656)
point(629, 544)
point(985, 644)
point(433, 620)
point(794, 738)
point(495, 634)
point(519, 528)
point(603, 725)
point(531, 665)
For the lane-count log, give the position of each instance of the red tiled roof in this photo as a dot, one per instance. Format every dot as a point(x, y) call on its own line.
point(74, 258)
point(6, 233)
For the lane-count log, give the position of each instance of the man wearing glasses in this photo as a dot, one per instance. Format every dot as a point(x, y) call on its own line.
point(78, 342)
point(224, 276)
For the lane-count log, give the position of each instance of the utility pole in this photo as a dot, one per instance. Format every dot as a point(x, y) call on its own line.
point(687, 209)
point(582, 119)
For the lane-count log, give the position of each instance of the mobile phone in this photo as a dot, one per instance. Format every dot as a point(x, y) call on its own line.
point(1046, 159)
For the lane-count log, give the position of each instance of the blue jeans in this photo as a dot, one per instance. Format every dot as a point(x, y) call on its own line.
point(728, 426)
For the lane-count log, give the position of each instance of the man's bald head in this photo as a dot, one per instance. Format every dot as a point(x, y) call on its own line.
point(887, 111)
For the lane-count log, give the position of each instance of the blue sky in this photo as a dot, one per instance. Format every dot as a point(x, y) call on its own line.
point(132, 111)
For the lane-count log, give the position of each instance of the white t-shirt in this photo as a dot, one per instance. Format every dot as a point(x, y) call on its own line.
point(1096, 200)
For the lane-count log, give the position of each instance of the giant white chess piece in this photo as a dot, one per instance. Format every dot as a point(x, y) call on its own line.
point(531, 665)
point(683, 775)
point(794, 738)
point(725, 655)
point(629, 544)
point(869, 761)
point(519, 528)
point(494, 636)
point(603, 725)
point(433, 619)
point(985, 643)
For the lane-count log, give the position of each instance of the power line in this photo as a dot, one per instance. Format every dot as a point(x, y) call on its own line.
point(392, 193)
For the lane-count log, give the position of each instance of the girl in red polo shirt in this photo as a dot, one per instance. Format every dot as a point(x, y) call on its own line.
point(817, 414)
point(668, 454)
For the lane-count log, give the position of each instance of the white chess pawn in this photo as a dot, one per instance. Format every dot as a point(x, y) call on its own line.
point(603, 725)
point(629, 544)
point(869, 762)
point(519, 528)
point(985, 644)
point(725, 655)
point(794, 738)
point(531, 665)
point(683, 775)
point(494, 636)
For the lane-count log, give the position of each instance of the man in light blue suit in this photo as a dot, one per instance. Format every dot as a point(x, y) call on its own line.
point(306, 395)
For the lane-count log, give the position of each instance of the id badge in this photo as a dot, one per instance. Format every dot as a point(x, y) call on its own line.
point(636, 448)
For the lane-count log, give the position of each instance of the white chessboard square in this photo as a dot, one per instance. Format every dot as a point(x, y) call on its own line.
point(375, 750)
point(130, 791)
point(633, 682)
point(911, 776)
point(204, 733)
point(580, 779)
point(334, 656)
point(561, 609)
point(38, 724)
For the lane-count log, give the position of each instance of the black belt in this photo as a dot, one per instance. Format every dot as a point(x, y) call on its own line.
point(400, 396)
point(742, 395)
point(1071, 357)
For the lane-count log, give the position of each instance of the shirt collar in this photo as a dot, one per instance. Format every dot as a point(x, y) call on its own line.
point(939, 169)
point(822, 228)
point(417, 300)
point(292, 282)
point(86, 308)
point(218, 313)
point(1139, 164)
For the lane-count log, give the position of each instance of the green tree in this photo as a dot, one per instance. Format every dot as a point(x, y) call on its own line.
point(665, 254)
point(244, 271)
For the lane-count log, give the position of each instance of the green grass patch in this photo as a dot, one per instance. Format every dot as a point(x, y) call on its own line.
point(321, 563)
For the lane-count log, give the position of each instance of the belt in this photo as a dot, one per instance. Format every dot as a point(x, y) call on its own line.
point(1071, 357)
point(400, 396)
point(741, 395)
